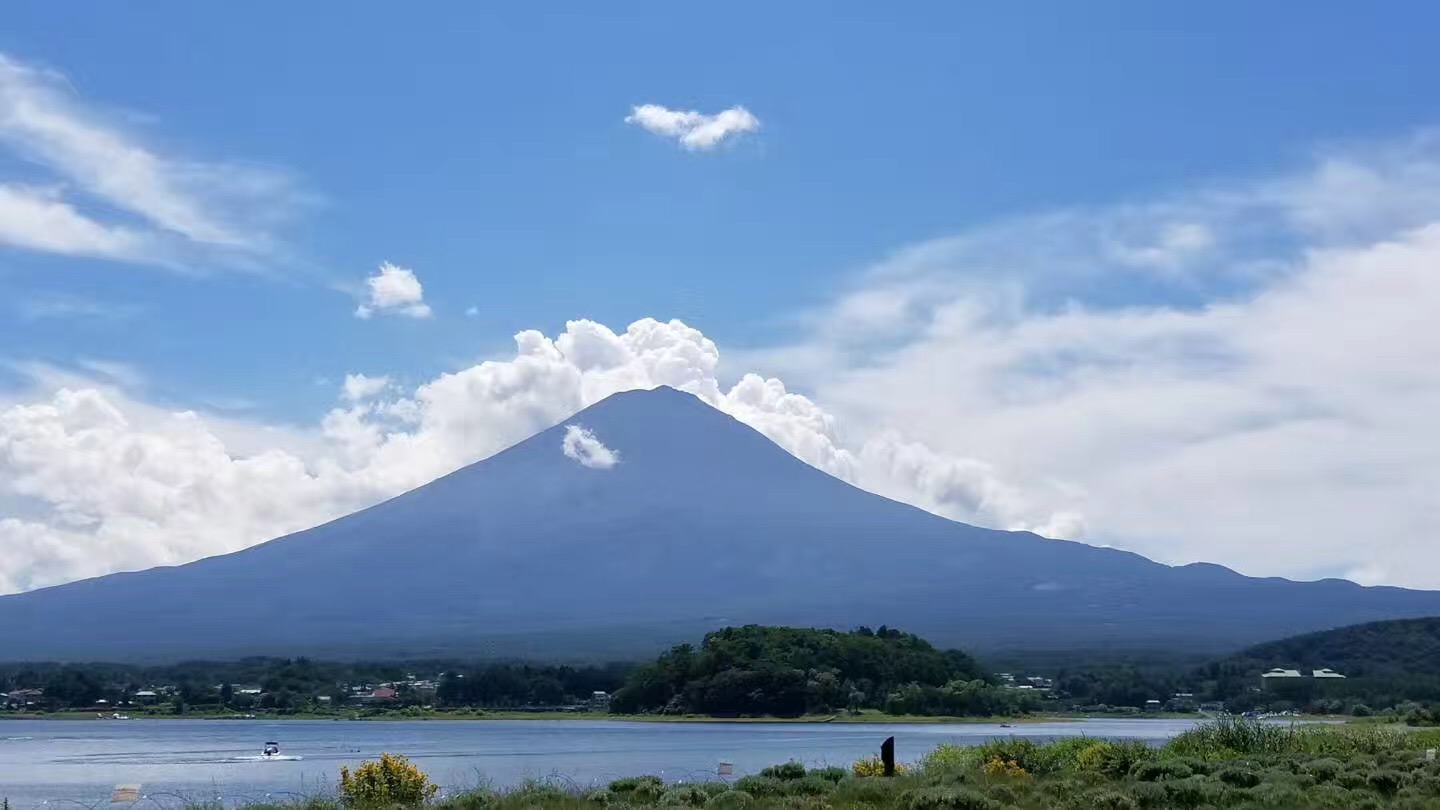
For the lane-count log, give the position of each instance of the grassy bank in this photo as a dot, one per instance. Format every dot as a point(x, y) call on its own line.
point(1226, 764)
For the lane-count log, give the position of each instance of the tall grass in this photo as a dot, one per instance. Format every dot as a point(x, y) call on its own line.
point(1229, 738)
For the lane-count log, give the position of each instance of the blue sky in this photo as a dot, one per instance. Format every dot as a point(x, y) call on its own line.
point(487, 149)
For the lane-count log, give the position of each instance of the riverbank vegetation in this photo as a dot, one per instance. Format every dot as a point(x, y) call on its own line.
point(1226, 764)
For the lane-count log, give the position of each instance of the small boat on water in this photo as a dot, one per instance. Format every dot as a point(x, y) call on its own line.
point(270, 753)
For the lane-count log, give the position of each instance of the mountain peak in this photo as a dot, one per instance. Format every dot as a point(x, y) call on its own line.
point(535, 551)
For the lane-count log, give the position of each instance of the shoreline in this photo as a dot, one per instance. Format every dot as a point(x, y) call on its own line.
point(867, 718)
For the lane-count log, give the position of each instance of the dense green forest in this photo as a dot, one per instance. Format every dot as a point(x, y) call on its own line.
point(1390, 665)
point(786, 672)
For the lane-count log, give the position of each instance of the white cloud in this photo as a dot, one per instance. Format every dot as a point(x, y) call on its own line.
point(694, 130)
point(37, 220)
point(153, 208)
point(472, 312)
point(1266, 407)
point(581, 445)
point(359, 387)
point(394, 290)
point(113, 484)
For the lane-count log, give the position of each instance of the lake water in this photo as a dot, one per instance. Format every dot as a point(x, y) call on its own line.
point(62, 763)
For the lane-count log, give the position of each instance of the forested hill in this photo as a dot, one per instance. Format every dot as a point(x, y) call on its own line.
point(1402, 646)
point(784, 671)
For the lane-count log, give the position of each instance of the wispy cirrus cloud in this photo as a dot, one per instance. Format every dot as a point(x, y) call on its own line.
point(65, 306)
point(693, 130)
point(1241, 371)
point(110, 196)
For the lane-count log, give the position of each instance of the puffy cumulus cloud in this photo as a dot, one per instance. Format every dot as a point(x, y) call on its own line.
point(394, 290)
point(174, 210)
point(694, 130)
point(581, 445)
point(94, 491)
point(1267, 408)
point(103, 483)
point(358, 387)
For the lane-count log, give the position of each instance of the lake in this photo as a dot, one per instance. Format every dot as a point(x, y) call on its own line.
point(61, 763)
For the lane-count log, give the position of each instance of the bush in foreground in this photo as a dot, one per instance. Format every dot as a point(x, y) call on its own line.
point(392, 780)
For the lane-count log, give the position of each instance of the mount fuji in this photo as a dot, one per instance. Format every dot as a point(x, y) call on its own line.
point(698, 522)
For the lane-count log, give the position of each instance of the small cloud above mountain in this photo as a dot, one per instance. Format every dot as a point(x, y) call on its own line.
point(394, 290)
point(694, 130)
point(581, 445)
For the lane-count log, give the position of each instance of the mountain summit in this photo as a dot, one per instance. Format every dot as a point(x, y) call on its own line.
point(646, 519)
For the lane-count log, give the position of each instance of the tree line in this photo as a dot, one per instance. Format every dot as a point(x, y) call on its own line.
point(788, 672)
point(302, 684)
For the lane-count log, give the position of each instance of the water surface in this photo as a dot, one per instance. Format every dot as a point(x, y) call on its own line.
point(61, 763)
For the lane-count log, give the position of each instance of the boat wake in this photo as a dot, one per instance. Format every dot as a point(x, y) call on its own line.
point(268, 758)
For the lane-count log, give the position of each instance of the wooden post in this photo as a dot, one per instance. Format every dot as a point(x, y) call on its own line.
point(887, 755)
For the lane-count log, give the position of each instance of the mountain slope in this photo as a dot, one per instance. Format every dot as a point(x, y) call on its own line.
point(703, 522)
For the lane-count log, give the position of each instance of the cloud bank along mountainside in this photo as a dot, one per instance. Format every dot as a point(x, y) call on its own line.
point(93, 481)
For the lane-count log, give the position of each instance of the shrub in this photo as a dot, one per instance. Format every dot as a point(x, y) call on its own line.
point(1272, 794)
point(1239, 777)
point(866, 791)
point(874, 766)
point(1386, 782)
point(1106, 800)
point(947, 757)
point(535, 792)
point(1005, 794)
point(811, 785)
point(1063, 755)
point(1192, 792)
point(1019, 750)
point(471, 800)
point(600, 796)
point(832, 775)
point(639, 788)
point(1323, 770)
point(790, 770)
point(1160, 771)
point(730, 800)
point(1150, 794)
point(1112, 759)
point(1352, 780)
point(685, 796)
point(392, 780)
point(947, 799)
point(761, 786)
point(1005, 768)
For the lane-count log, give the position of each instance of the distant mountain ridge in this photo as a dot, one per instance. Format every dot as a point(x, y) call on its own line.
point(703, 523)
